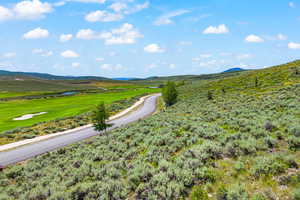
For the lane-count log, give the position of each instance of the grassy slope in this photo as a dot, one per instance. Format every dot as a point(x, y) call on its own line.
point(243, 144)
point(57, 107)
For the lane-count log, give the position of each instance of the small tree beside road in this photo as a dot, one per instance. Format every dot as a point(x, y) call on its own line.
point(99, 117)
point(170, 93)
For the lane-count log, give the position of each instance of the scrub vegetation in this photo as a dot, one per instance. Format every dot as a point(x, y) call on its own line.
point(229, 138)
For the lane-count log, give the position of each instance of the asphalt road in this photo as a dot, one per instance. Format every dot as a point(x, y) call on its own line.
point(31, 150)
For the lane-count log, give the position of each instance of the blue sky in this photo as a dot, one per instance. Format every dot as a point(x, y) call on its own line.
point(141, 38)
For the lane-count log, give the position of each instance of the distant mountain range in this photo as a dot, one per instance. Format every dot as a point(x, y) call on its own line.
point(99, 78)
point(234, 70)
point(50, 76)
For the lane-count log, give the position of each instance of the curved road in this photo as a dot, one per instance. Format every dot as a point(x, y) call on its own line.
point(31, 150)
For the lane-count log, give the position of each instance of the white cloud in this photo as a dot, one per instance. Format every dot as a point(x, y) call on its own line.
point(111, 67)
point(244, 56)
point(34, 9)
point(5, 14)
point(221, 29)
point(292, 4)
point(137, 8)
point(205, 55)
point(126, 34)
point(254, 39)
point(112, 54)
point(281, 37)
point(86, 34)
point(9, 55)
point(103, 16)
point(36, 34)
point(210, 63)
point(42, 52)
point(89, 1)
point(60, 3)
point(172, 66)
point(118, 6)
point(202, 57)
point(293, 45)
point(65, 37)
point(185, 43)
point(26, 10)
point(154, 48)
point(69, 54)
point(99, 59)
point(75, 64)
point(167, 18)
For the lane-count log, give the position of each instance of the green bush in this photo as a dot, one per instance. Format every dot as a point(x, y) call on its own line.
point(198, 193)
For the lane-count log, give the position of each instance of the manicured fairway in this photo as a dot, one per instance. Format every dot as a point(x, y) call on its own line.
point(58, 107)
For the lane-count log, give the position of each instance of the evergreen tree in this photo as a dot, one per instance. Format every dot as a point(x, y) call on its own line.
point(100, 115)
point(210, 95)
point(170, 93)
point(256, 82)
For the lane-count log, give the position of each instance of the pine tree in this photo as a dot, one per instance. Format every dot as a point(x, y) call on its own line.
point(100, 115)
point(170, 94)
point(210, 95)
point(256, 82)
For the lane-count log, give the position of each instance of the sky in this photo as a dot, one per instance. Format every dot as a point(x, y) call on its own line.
point(142, 38)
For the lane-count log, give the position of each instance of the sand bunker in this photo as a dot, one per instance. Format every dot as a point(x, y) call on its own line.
point(28, 116)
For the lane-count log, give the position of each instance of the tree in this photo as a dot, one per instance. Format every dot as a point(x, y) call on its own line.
point(170, 93)
point(100, 115)
point(256, 82)
point(210, 95)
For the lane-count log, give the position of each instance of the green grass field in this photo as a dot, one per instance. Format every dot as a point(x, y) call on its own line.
point(58, 107)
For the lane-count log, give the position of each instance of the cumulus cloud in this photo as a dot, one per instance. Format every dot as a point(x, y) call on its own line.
point(111, 67)
point(126, 34)
point(244, 56)
point(281, 37)
point(5, 14)
point(172, 66)
point(136, 8)
point(99, 59)
point(154, 48)
point(75, 64)
point(103, 16)
point(292, 4)
point(118, 6)
point(10, 55)
point(86, 34)
point(65, 37)
point(293, 45)
point(167, 18)
point(89, 1)
point(37, 33)
point(34, 9)
point(221, 29)
point(27, 10)
point(42, 52)
point(69, 54)
point(254, 39)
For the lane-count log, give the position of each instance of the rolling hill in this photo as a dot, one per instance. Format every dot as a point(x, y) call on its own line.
point(242, 143)
point(50, 76)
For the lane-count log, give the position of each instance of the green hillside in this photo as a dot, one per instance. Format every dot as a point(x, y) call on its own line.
point(243, 143)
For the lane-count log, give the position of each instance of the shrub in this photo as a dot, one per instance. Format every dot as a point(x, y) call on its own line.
point(294, 142)
point(237, 192)
point(272, 165)
point(296, 194)
point(198, 193)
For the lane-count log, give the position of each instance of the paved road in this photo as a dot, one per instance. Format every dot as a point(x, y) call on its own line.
point(29, 151)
